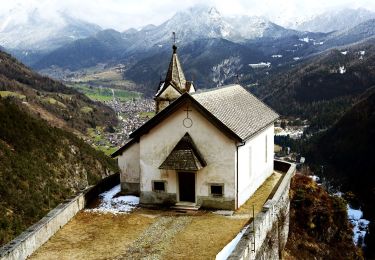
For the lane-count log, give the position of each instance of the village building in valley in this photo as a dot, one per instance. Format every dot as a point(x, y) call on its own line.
point(209, 149)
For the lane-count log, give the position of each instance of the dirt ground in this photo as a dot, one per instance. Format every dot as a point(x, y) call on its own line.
point(152, 234)
point(94, 236)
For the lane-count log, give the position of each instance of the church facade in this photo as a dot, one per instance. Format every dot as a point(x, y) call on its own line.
point(209, 149)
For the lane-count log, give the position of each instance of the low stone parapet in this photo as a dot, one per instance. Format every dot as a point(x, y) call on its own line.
point(36, 235)
point(266, 236)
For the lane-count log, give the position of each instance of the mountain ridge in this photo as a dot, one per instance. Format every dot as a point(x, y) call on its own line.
point(336, 20)
point(278, 46)
point(51, 99)
point(322, 87)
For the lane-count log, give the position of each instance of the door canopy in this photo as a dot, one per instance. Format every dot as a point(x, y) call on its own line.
point(185, 156)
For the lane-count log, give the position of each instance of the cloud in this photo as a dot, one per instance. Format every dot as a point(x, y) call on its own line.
point(123, 14)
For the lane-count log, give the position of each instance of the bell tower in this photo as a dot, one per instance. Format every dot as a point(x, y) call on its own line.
point(174, 84)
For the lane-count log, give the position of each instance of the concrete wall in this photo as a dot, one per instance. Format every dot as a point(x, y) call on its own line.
point(217, 149)
point(255, 163)
point(130, 169)
point(266, 237)
point(36, 235)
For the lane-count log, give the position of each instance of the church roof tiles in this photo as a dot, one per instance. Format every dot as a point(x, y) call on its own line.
point(232, 109)
point(238, 109)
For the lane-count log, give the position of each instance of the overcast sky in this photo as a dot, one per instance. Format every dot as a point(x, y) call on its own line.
point(123, 14)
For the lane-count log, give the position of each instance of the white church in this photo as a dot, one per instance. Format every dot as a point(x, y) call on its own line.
point(209, 149)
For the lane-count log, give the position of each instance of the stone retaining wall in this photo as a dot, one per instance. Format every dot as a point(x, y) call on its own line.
point(36, 235)
point(266, 237)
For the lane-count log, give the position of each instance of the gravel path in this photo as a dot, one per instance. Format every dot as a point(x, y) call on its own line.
point(155, 239)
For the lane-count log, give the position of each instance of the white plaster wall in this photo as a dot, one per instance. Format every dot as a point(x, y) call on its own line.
point(218, 150)
point(170, 93)
point(253, 168)
point(128, 163)
point(192, 89)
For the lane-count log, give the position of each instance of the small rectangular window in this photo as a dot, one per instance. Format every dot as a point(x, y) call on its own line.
point(217, 190)
point(158, 186)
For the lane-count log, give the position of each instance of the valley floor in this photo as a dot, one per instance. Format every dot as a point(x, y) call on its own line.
point(155, 234)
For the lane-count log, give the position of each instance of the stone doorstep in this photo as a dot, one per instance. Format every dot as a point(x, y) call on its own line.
point(185, 206)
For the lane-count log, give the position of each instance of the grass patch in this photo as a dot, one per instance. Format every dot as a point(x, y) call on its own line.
point(53, 102)
point(100, 143)
point(107, 150)
point(11, 94)
point(94, 236)
point(91, 132)
point(106, 94)
point(147, 114)
point(104, 75)
point(86, 110)
point(261, 195)
point(109, 78)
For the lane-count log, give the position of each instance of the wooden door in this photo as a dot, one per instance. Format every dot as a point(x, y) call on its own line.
point(186, 185)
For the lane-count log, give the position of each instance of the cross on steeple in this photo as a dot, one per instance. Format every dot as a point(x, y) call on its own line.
point(237, 79)
point(174, 38)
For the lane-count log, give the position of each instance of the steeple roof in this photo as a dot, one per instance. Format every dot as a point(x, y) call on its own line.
point(175, 75)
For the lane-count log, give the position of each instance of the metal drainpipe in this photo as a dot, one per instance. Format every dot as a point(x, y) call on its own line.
point(241, 144)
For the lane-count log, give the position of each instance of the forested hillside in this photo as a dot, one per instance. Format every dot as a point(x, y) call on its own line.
point(53, 101)
point(347, 155)
point(319, 226)
point(322, 88)
point(40, 166)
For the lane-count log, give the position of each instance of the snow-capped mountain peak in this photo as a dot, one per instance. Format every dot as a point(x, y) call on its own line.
point(23, 28)
point(201, 22)
point(214, 13)
point(335, 20)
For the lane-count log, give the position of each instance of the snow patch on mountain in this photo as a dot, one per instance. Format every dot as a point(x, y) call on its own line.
point(226, 69)
point(360, 225)
point(305, 39)
point(260, 65)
